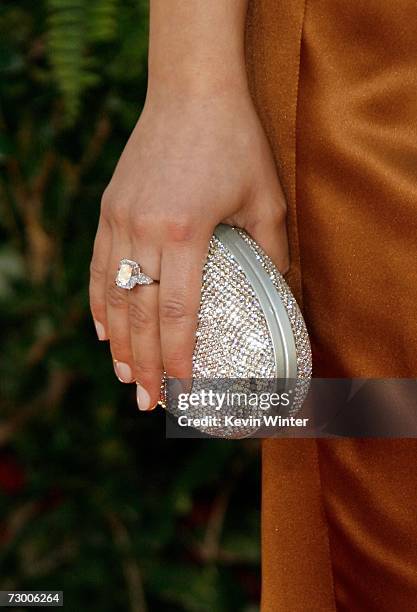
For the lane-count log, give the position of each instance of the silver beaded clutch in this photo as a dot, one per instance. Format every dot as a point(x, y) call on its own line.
point(250, 330)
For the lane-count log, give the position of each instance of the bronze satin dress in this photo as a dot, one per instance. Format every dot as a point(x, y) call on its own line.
point(335, 84)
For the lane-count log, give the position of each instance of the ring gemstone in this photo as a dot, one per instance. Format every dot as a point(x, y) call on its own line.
point(129, 275)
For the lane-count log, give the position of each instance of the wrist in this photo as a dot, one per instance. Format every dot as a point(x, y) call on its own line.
point(196, 50)
point(202, 76)
point(189, 89)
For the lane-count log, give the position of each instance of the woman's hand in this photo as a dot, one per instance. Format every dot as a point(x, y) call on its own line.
point(189, 164)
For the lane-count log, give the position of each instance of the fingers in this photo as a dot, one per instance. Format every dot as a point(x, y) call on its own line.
point(144, 327)
point(179, 299)
point(269, 230)
point(274, 242)
point(117, 308)
point(129, 318)
point(152, 328)
point(98, 275)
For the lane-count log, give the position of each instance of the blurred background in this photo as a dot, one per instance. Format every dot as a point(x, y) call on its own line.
point(94, 500)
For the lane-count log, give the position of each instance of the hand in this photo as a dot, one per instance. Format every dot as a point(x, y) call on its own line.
point(188, 165)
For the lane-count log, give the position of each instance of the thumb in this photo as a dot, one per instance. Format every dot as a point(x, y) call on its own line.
point(267, 226)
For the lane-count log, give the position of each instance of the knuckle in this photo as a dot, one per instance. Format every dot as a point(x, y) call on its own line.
point(172, 310)
point(116, 297)
point(139, 224)
point(119, 349)
point(139, 317)
point(114, 210)
point(145, 369)
point(119, 213)
point(176, 358)
point(280, 214)
point(97, 307)
point(97, 271)
point(106, 202)
point(176, 363)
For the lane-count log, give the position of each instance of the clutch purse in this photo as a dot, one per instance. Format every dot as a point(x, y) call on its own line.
point(250, 331)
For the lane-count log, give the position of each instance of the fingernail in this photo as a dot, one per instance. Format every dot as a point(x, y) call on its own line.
point(101, 332)
point(143, 398)
point(175, 388)
point(123, 372)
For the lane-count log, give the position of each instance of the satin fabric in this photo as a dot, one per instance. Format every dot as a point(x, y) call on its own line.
point(335, 85)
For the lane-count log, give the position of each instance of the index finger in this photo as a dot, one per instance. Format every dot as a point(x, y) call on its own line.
point(179, 301)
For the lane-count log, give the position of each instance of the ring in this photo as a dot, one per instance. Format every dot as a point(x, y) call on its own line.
point(129, 275)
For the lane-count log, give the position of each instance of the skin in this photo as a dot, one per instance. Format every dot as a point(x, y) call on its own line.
point(198, 156)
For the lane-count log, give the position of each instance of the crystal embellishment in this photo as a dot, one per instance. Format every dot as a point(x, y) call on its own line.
point(233, 340)
point(129, 274)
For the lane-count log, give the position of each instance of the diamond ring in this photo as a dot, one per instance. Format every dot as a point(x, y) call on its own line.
point(129, 275)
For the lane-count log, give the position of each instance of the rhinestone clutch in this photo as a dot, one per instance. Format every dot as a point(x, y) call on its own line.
point(250, 328)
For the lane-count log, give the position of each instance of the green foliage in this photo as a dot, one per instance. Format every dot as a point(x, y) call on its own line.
point(93, 499)
point(66, 46)
point(74, 29)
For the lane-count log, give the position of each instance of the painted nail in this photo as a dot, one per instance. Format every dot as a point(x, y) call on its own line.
point(143, 398)
point(101, 332)
point(123, 372)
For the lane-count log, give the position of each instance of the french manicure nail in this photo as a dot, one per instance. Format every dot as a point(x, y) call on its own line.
point(101, 332)
point(143, 398)
point(123, 372)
